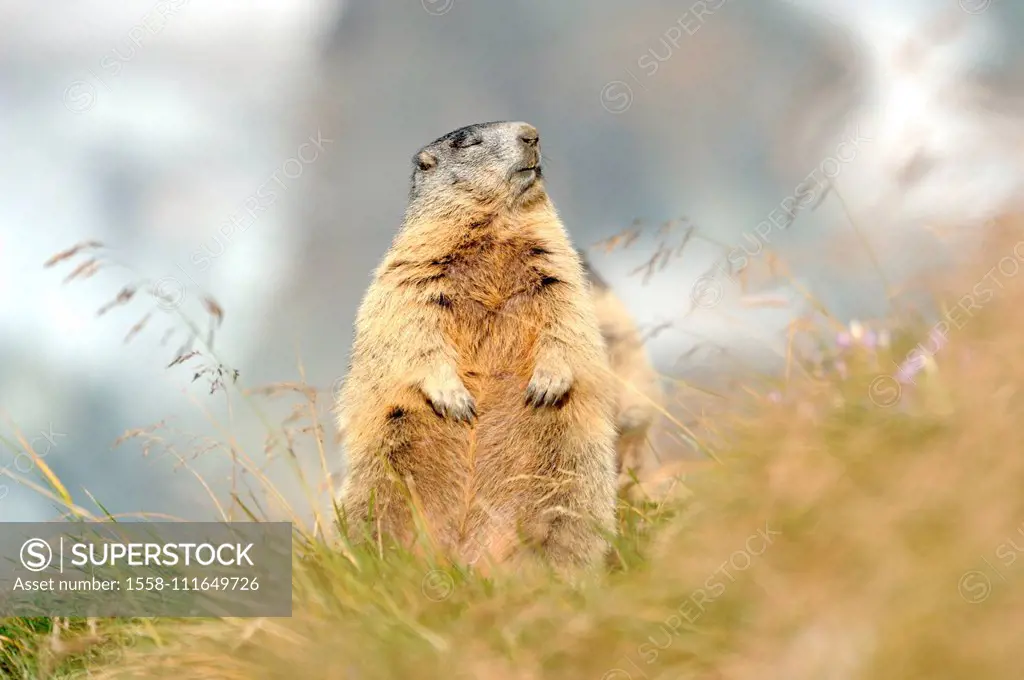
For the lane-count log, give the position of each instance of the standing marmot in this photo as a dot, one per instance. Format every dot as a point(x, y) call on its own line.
point(478, 385)
point(635, 380)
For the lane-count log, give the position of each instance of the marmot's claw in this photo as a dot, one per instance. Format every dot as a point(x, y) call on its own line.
point(547, 388)
point(455, 403)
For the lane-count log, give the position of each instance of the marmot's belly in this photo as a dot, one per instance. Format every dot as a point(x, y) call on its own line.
point(495, 349)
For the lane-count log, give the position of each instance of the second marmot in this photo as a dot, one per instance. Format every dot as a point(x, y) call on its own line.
point(635, 381)
point(478, 386)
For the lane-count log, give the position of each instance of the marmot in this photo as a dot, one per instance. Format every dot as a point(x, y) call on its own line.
point(636, 383)
point(477, 391)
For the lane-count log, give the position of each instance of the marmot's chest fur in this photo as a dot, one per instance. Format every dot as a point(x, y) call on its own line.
point(494, 313)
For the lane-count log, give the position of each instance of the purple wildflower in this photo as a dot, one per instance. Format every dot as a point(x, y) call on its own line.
point(843, 339)
point(870, 339)
point(775, 396)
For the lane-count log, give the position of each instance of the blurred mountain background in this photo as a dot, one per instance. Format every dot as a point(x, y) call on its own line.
point(259, 152)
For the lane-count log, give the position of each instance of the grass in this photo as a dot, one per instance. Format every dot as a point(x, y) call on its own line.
point(835, 533)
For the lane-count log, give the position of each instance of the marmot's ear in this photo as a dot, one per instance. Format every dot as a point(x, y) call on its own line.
point(425, 160)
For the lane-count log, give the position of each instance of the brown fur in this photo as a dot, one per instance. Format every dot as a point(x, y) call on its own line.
point(478, 379)
point(635, 381)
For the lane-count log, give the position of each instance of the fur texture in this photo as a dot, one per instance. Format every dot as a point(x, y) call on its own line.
point(478, 384)
point(635, 382)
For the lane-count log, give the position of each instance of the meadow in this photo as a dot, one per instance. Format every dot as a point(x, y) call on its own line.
point(856, 518)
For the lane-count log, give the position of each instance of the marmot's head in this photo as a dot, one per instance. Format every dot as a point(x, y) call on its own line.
point(479, 168)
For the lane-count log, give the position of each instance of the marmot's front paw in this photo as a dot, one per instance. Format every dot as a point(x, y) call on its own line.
point(548, 385)
point(450, 399)
point(635, 418)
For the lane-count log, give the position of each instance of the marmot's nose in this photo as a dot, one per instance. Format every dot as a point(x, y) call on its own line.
point(528, 135)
